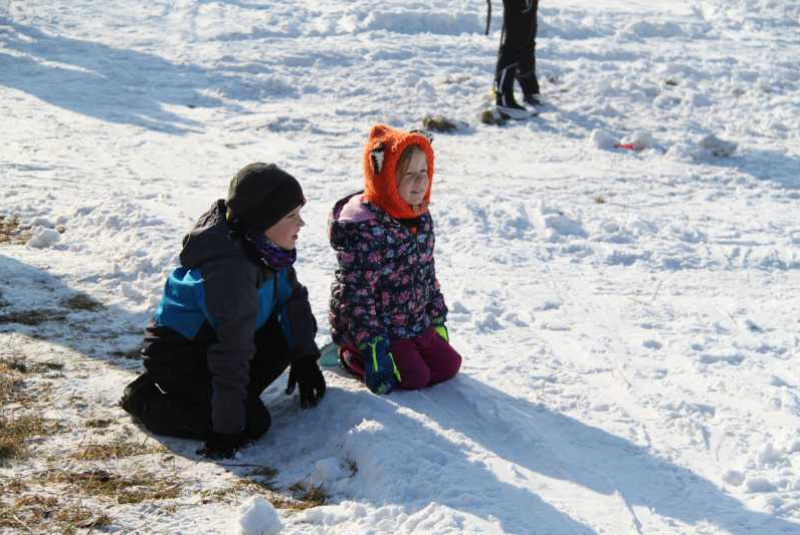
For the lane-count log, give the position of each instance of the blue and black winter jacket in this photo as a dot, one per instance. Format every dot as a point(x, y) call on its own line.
point(214, 306)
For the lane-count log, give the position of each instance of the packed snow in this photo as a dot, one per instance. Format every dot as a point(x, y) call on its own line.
point(621, 270)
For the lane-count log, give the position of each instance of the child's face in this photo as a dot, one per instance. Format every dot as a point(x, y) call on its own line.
point(413, 182)
point(284, 232)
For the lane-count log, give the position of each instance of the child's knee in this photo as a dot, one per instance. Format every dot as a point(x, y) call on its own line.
point(415, 378)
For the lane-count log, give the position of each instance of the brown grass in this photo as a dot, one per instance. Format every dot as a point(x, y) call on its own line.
point(32, 317)
point(16, 432)
point(309, 495)
point(21, 365)
point(438, 123)
point(99, 483)
point(9, 379)
point(45, 514)
point(99, 423)
point(11, 232)
point(117, 449)
point(82, 302)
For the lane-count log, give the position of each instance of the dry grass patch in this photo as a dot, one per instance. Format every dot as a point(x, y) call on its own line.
point(439, 123)
point(99, 423)
point(32, 317)
point(11, 232)
point(117, 449)
point(46, 514)
point(309, 495)
point(21, 365)
point(303, 496)
point(102, 484)
point(82, 302)
point(15, 434)
point(9, 379)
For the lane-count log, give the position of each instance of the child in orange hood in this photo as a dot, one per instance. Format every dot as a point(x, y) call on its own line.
point(387, 310)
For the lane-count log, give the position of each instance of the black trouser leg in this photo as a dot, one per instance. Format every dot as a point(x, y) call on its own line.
point(515, 58)
point(269, 362)
point(169, 413)
point(173, 397)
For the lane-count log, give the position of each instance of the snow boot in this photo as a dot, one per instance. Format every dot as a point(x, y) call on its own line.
point(505, 103)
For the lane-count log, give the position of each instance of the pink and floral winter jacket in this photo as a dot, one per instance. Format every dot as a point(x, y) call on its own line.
point(386, 281)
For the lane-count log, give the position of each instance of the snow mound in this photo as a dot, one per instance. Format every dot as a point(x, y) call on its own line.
point(714, 146)
point(557, 225)
point(413, 22)
point(257, 517)
point(638, 140)
point(42, 238)
point(648, 30)
point(602, 139)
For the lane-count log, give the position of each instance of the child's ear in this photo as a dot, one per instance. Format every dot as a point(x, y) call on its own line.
point(376, 158)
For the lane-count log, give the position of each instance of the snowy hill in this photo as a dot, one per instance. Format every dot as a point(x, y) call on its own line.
point(629, 319)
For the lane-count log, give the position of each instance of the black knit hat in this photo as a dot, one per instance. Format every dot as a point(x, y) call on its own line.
point(262, 194)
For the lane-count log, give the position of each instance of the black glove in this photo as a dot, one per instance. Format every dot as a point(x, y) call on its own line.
point(222, 445)
point(305, 372)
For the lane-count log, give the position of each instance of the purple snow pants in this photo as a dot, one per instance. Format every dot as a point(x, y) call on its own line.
point(422, 361)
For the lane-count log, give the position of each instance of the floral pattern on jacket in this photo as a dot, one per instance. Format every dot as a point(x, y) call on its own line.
point(386, 281)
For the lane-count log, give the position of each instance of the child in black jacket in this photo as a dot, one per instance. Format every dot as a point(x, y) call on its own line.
point(232, 318)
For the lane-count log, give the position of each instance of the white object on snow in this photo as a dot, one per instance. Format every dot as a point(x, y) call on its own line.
point(258, 517)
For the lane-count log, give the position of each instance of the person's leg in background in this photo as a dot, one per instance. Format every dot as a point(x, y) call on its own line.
point(526, 72)
point(515, 55)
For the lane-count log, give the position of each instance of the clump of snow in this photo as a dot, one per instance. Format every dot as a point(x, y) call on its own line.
point(602, 139)
point(558, 225)
point(714, 146)
point(733, 477)
point(422, 21)
point(647, 30)
point(758, 484)
point(327, 470)
point(41, 222)
point(256, 516)
point(42, 237)
point(638, 140)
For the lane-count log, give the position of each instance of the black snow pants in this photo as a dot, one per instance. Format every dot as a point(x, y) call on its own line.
point(173, 396)
point(516, 59)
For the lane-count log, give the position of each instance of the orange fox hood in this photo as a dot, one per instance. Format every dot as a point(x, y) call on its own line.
point(381, 155)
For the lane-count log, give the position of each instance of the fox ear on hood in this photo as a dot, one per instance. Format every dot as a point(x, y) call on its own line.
point(376, 159)
point(425, 133)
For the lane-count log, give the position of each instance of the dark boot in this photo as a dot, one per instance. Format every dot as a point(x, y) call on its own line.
point(530, 88)
point(256, 417)
point(506, 104)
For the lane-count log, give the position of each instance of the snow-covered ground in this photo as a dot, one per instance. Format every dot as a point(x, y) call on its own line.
point(630, 319)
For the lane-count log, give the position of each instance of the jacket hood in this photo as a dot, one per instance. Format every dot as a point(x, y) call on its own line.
point(381, 155)
point(211, 238)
